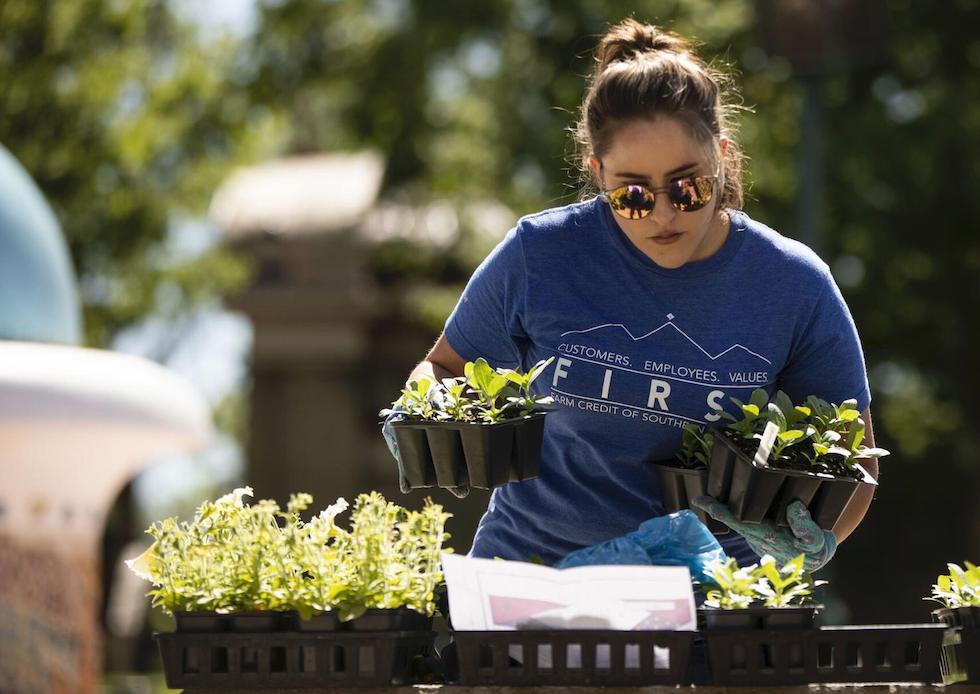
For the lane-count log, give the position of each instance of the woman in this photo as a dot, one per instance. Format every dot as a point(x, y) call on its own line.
point(660, 301)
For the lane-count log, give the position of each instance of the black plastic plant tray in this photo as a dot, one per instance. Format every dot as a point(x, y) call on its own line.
point(847, 654)
point(757, 618)
point(450, 454)
point(569, 658)
point(756, 492)
point(679, 485)
point(373, 619)
point(290, 659)
point(958, 617)
point(249, 621)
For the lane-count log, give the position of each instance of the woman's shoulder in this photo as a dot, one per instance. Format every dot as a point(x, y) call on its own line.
point(769, 247)
point(555, 220)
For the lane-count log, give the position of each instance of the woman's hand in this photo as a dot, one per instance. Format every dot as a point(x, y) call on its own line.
point(803, 536)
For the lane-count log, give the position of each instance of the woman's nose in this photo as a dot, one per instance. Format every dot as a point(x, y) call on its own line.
point(663, 212)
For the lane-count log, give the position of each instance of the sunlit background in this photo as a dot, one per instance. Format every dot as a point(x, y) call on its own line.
point(281, 200)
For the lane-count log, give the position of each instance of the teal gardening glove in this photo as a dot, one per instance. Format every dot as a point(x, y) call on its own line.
point(388, 432)
point(803, 536)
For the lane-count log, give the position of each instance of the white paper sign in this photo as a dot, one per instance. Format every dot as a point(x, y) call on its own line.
point(492, 595)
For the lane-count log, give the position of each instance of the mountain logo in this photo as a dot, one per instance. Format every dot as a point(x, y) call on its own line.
point(665, 326)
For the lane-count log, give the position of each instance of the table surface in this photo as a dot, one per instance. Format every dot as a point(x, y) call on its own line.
point(902, 688)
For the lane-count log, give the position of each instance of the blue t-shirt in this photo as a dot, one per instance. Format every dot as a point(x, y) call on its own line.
point(640, 350)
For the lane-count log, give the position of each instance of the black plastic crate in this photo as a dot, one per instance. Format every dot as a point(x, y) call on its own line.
point(290, 659)
point(585, 658)
point(961, 656)
point(843, 654)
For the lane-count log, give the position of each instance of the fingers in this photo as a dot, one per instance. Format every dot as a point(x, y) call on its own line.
point(809, 536)
point(717, 510)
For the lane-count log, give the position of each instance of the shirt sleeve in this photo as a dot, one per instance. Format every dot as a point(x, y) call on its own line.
point(827, 359)
point(488, 320)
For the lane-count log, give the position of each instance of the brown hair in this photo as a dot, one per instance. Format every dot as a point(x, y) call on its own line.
point(643, 72)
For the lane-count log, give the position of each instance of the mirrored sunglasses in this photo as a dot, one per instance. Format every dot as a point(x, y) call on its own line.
point(686, 194)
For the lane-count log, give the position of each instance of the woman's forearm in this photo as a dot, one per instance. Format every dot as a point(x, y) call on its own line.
point(861, 501)
point(432, 371)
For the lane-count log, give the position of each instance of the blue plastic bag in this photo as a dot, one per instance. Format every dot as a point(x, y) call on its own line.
point(678, 539)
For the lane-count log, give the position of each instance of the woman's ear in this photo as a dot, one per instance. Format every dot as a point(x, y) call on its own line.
point(596, 167)
point(723, 146)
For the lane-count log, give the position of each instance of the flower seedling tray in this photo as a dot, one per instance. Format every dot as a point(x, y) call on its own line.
point(843, 654)
point(756, 492)
point(290, 659)
point(961, 646)
point(243, 622)
point(678, 485)
point(398, 619)
point(749, 618)
point(570, 658)
point(450, 454)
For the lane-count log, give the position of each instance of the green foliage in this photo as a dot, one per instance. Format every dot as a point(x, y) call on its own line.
point(230, 557)
point(390, 558)
point(233, 557)
point(833, 432)
point(125, 119)
point(959, 588)
point(695, 447)
point(766, 584)
point(483, 394)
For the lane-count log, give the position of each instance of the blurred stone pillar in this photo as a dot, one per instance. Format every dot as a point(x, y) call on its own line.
point(311, 304)
point(817, 37)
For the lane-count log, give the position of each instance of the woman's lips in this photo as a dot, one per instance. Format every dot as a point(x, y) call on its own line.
point(665, 239)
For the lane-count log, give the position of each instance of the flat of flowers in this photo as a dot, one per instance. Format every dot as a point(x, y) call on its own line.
point(290, 659)
point(755, 492)
point(573, 658)
point(449, 454)
point(839, 655)
point(678, 485)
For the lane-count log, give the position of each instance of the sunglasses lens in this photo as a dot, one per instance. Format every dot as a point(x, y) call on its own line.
point(691, 193)
point(631, 202)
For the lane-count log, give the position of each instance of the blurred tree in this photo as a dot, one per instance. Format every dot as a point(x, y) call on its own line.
point(125, 120)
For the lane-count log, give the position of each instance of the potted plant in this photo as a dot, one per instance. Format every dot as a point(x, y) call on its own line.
point(776, 452)
point(763, 596)
point(224, 569)
point(685, 476)
point(483, 429)
point(759, 631)
point(369, 591)
point(382, 575)
point(959, 594)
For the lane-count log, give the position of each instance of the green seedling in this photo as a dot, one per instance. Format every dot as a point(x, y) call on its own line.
point(959, 588)
point(417, 400)
point(233, 556)
point(766, 584)
point(695, 450)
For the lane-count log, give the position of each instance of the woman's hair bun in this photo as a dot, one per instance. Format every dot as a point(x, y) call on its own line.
point(630, 39)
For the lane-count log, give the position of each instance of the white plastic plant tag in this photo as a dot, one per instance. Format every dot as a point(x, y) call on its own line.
point(765, 445)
